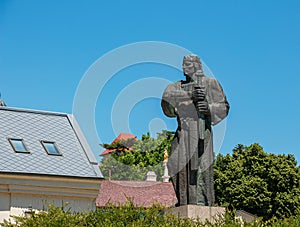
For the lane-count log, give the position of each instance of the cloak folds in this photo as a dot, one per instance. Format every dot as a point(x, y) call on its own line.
point(191, 160)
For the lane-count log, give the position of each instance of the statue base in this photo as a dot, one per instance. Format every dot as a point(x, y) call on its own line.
point(198, 212)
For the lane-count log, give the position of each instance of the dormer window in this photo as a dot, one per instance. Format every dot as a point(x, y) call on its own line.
point(50, 148)
point(18, 145)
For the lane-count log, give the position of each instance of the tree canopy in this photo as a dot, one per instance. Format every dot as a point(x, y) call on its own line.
point(249, 179)
point(145, 154)
point(252, 180)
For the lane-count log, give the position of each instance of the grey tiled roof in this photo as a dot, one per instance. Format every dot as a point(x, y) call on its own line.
point(34, 126)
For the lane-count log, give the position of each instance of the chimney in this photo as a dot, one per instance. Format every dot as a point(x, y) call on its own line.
point(151, 176)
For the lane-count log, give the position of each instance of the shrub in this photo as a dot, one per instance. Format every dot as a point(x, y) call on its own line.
point(130, 215)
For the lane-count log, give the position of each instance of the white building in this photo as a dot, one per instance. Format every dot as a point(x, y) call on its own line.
point(44, 158)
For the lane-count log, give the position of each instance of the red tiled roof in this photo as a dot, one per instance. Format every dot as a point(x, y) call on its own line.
point(141, 193)
point(121, 136)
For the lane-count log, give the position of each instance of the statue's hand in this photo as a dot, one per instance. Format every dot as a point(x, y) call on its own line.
point(198, 94)
point(202, 107)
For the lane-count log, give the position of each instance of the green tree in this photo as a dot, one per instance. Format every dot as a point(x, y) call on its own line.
point(116, 170)
point(146, 154)
point(121, 145)
point(264, 184)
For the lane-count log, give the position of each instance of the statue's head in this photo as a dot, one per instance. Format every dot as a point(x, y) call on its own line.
point(191, 65)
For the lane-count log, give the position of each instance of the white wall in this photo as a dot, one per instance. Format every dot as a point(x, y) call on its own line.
point(16, 204)
point(4, 206)
point(41, 202)
point(19, 193)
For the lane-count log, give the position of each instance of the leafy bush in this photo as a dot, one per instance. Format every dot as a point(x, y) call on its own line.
point(129, 215)
point(250, 179)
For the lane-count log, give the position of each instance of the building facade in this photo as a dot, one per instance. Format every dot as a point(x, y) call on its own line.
point(44, 158)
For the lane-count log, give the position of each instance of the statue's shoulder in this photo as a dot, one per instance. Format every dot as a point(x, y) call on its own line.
point(175, 85)
point(178, 83)
point(211, 79)
point(212, 82)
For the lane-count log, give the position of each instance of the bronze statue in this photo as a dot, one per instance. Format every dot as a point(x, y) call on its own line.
point(197, 103)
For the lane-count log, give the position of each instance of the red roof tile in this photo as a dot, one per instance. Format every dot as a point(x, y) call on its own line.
point(142, 193)
point(124, 136)
point(121, 136)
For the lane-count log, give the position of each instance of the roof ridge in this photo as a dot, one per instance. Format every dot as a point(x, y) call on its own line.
point(137, 184)
point(24, 110)
point(125, 133)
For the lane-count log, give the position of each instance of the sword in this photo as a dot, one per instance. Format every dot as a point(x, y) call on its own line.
point(201, 116)
point(200, 200)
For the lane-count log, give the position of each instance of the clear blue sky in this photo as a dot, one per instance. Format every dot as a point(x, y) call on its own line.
point(252, 48)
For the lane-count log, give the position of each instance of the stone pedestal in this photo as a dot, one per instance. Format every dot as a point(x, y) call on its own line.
point(202, 212)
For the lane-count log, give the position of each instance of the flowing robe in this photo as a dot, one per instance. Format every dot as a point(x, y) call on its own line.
point(191, 160)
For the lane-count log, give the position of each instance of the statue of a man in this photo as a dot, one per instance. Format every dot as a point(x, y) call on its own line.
point(197, 103)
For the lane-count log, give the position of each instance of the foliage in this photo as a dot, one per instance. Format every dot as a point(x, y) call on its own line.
point(146, 154)
point(54, 216)
point(121, 145)
point(116, 170)
point(263, 184)
point(130, 215)
point(148, 151)
point(293, 221)
point(126, 215)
